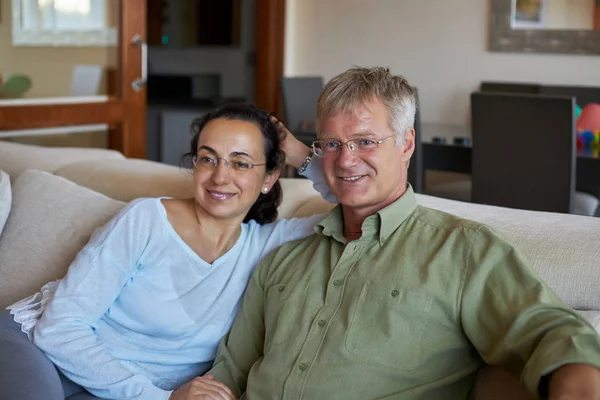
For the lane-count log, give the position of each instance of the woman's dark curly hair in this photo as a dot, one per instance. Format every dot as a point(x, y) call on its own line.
point(264, 209)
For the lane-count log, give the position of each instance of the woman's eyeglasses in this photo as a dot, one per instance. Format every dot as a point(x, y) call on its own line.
point(210, 162)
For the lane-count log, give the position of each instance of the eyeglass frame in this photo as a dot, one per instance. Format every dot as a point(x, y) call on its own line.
point(349, 144)
point(227, 163)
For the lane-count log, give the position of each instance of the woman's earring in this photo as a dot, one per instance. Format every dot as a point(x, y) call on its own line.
point(265, 189)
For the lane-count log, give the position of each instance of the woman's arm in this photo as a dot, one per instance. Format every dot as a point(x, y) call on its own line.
point(295, 155)
point(66, 331)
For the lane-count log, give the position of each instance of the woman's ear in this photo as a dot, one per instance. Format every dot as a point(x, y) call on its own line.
point(270, 180)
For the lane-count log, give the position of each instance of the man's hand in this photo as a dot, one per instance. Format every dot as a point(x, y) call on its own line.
point(575, 382)
point(203, 388)
point(295, 151)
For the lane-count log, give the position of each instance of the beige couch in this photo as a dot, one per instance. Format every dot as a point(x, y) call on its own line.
point(53, 213)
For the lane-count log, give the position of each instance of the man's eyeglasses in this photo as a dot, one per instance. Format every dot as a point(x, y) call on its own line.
point(239, 164)
point(324, 148)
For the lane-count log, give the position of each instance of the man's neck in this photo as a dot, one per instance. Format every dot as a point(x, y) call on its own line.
point(355, 216)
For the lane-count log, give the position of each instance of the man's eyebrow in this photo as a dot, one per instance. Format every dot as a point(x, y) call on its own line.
point(359, 134)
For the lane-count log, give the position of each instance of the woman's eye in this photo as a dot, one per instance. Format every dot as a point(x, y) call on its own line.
point(241, 165)
point(206, 160)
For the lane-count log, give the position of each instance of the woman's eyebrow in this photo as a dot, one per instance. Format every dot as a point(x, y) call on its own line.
point(209, 149)
point(241, 153)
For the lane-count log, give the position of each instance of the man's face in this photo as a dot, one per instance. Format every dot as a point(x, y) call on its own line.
point(368, 179)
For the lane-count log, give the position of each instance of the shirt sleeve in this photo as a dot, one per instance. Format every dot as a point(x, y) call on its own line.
point(314, 172)
point(515, 320)
point(66, 330)
point(243, 345)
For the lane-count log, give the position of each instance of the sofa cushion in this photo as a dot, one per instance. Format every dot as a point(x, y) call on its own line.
point(16, 158)
point(50, 221)
point(129, 178)
point(5, 198)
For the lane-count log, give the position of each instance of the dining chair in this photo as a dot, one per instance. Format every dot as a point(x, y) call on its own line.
point(524, 153)
point(300, 95)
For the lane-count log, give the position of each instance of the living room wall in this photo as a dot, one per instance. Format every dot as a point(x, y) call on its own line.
point(50, 68)
point(440, 46)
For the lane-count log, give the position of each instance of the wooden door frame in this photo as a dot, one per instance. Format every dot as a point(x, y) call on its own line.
point(125, 112)
point(270, 52)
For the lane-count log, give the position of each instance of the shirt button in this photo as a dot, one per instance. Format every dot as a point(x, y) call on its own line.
point(395, 293)
point(280, 288)
point(302, 367)
point(337, 283)
point(321, 323)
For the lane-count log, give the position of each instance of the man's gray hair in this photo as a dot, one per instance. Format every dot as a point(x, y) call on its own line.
point(359, 85)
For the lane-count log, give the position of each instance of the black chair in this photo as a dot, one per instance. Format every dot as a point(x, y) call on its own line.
point(509, 87)
point(584, 95)
point(300, 95)
point(524, 153)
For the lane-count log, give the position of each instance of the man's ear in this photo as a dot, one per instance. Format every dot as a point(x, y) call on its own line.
point(409, 145)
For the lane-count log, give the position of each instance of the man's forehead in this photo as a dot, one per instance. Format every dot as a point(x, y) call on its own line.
point(356, 123)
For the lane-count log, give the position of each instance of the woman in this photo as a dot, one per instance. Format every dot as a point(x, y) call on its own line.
point(146, 301)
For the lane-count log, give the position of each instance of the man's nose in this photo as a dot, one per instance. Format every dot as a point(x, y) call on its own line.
point(345, 157)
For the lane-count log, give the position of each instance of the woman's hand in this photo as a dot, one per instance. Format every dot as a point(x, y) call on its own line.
point(295, 151)
point(203, 388)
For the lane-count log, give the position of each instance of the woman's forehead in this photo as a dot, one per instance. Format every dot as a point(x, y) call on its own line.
point(231, 136)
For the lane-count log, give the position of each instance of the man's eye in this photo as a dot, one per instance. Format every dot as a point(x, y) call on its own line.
point(331, 145)
point(366, 143)
point(241, 165)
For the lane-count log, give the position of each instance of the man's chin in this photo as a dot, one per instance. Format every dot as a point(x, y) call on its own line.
point(349, 198)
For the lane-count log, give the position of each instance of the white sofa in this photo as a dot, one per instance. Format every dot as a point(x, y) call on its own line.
point(60, 195)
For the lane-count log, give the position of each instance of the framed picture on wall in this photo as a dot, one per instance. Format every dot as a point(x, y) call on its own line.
point(529, 14)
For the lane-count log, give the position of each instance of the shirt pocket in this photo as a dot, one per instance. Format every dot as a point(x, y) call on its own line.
point(283, 308)
point(388, 325)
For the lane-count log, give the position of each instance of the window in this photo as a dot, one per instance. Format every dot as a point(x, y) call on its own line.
point(63, 23)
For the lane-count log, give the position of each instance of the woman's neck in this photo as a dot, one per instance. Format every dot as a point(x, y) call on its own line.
point(218, 234)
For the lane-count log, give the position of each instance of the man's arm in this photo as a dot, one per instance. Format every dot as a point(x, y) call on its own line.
point(243, 345)
point(517, 322)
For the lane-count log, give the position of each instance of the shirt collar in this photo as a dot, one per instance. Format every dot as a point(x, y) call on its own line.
point(383, 223)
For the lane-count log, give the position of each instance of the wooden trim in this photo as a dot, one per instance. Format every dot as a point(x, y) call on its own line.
point(124, 111)
point(57, 115)
point(270, 48)
point(130, 137)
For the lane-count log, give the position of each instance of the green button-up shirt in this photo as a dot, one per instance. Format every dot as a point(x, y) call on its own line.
point(410, 310)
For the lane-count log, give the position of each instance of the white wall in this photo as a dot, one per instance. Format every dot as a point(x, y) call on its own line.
point(440, 46)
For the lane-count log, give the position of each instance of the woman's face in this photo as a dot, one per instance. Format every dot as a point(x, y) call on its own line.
point(229, 191)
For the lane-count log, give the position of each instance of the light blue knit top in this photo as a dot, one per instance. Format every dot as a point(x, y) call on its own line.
point(139, 313)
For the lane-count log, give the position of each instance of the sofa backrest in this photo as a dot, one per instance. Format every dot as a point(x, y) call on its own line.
point(16, 158)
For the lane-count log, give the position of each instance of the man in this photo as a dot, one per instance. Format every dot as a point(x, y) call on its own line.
point(391, 300)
